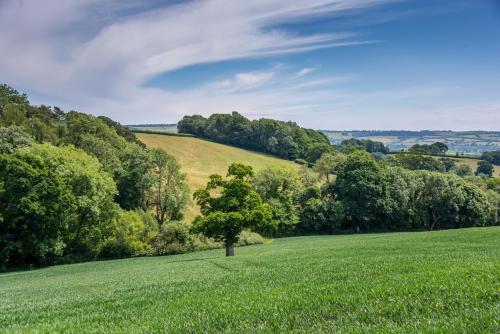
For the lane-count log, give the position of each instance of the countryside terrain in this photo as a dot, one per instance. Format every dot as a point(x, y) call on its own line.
point(464, 142)
point(419, 282)
point(201, 158)
point(471, 143)
point(271, 166)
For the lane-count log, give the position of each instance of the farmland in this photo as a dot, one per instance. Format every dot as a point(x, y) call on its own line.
point(445, 281)
point(466, 142)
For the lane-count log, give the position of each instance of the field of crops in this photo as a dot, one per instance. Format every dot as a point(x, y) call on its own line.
point(439, 282)
point(201, 158)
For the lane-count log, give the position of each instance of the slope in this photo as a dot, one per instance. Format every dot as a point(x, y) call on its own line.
point(201, 158)
point(420, 282)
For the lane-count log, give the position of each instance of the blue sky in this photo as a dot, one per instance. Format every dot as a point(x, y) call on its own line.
point(326, 64)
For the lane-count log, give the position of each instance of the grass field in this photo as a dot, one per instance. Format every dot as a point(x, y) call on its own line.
point(472, 163)
point(423, 282)
point(200, 158)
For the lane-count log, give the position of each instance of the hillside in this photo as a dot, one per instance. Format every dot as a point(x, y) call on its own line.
point(201, 158)
point(444, 281)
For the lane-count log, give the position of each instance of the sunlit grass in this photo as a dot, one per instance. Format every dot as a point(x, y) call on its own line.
point(434, 282)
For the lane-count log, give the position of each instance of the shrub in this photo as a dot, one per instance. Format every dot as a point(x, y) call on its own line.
point(248, 238)
point(173, 238)
point(132, 234)
point(200, 242)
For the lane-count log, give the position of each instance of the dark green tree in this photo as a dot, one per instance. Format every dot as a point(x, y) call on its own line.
point(169, 192)
point(485, 167)
point(36, 208)
point(360, 186)
point(438, 148)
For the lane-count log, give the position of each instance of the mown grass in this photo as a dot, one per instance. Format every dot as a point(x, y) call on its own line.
point(201, 158)
point(434, 282)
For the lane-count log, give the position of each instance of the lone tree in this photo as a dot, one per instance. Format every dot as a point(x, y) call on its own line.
point(485, 167)
point(229, 206)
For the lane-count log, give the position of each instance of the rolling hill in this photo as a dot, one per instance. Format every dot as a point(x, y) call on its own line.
point(201, 158)
point(420, 282)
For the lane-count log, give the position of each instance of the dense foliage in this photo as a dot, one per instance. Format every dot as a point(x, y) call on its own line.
point(485, 168)
point(369, 145)
point(370, 195)
point(75, 186)
point(235, 206)
point(283, 139)
point(435, 148)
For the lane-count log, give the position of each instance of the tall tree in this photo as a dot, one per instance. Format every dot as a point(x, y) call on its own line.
point(360, 186)
point(169, 193)
point(485, 167)
point(280, 188)
point(92, 187)
point(229, 206)
point(328, 163)
point(36, 207)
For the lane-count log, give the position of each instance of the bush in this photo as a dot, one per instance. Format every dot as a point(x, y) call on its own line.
point(132, 235)
point(173, 238)
point(200, 242)
point(248, 238)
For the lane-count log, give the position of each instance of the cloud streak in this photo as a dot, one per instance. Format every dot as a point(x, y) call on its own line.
point(99, 54)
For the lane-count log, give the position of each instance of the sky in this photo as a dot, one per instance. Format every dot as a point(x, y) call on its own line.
point(325, 64)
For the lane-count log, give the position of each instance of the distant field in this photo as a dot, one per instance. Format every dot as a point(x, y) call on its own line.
point(473, 165)
point(422, 282)
point(467, 142)
point(200, 158)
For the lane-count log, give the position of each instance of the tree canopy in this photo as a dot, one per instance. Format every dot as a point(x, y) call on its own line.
point(229, 206)
point(283, 139)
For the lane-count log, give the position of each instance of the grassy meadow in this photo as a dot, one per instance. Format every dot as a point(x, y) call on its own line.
point(201, 158)
point(421, 282)
point(472, 163)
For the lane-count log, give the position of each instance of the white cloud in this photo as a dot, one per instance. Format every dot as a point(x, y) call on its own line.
point(253, 78)
point(97, 54)
point(305, 71)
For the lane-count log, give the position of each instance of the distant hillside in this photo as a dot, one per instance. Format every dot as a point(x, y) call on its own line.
point(466, 142)
point(201, 158)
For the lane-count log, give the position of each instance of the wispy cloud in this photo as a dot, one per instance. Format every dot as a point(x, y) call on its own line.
point(305, 71)
point(98, 54)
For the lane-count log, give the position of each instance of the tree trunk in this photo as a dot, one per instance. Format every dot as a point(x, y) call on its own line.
point(230, 250)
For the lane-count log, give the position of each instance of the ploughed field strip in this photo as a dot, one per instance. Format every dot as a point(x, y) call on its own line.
point(445, 281)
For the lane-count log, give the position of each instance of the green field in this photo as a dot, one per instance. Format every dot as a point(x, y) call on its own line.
point(201, 158)
point(446, 281)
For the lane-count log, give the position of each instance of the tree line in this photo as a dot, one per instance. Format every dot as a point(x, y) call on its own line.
point(363, 194)
point(345, 193)
point(283, 139)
